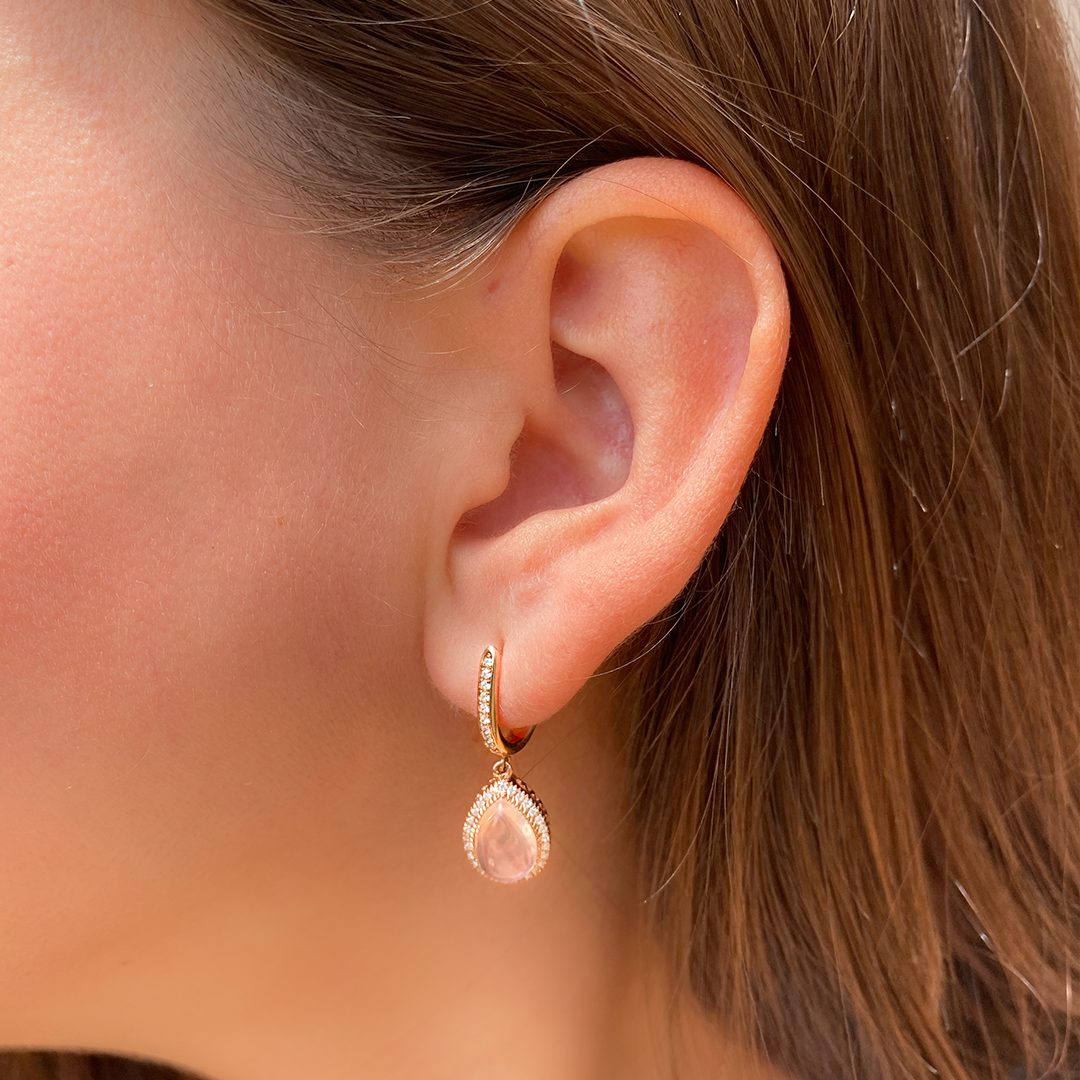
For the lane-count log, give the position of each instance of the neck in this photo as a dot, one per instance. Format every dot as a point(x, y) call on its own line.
point(411, 966)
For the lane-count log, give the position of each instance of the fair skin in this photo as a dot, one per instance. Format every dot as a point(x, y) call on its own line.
point(251, 551)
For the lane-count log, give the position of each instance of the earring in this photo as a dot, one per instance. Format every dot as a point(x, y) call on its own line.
point(506, 833)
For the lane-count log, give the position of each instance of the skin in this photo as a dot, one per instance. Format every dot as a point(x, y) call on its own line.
point(257, 524)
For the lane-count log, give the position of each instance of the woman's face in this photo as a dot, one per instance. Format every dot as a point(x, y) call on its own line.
point(209, 485)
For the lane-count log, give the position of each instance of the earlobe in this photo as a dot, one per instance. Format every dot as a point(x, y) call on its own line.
point(641, 405)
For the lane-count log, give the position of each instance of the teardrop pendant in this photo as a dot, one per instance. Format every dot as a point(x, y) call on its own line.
point(506, 831)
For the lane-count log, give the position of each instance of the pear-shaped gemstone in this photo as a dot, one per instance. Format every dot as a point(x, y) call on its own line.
point(505, 842)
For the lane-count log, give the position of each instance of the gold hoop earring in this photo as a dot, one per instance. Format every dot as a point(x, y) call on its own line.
point(506, 832)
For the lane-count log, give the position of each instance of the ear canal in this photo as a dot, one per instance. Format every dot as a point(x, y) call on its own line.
point(574, 449)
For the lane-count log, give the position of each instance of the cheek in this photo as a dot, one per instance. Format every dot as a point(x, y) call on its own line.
point(193, 507)
point(209, 545)
point(76, 316)
point(75, 406)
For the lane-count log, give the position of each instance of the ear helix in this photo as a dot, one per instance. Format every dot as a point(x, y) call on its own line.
point(506, 831)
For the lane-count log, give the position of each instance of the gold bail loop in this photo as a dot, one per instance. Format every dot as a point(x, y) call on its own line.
point(498, 741)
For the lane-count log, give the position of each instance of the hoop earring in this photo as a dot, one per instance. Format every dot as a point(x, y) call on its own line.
point(506, 832)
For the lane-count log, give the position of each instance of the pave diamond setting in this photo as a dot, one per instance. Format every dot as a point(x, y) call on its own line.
point(487, 701)
point(506, 832)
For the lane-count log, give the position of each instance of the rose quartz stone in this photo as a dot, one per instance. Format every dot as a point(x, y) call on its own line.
point(505, 842)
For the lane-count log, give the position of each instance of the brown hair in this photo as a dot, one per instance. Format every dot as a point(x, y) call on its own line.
point(863, 847)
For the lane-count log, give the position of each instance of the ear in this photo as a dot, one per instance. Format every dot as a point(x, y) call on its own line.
point(638, 325)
